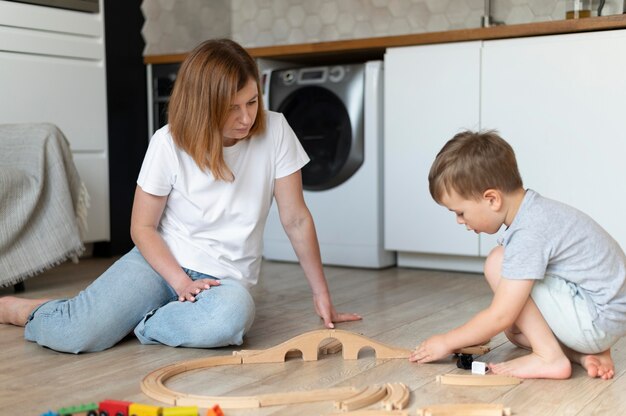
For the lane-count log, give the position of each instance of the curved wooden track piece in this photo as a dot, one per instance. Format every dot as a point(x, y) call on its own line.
point(398, 395)
point(477, 380)
point(153, 385)
point(467, 409)
point(368, 396)
point(265, 400)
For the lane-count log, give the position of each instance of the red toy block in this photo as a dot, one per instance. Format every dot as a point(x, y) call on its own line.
point(215, 411)
point(114, 408)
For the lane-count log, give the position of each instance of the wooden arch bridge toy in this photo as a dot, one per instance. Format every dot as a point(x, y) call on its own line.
point(393, 395)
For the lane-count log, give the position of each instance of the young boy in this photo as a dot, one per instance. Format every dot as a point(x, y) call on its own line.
point(559, 279)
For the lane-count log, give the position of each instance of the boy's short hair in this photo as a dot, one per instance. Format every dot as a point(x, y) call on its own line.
point(472, 162)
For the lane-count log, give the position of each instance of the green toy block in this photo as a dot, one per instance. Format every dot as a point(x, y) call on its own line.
point(87, 409)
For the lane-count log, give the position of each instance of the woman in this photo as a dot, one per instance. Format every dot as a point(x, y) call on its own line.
point(203, 195)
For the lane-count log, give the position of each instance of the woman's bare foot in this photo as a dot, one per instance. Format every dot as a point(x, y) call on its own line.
point(15, 311)
point(599, 365)
point(534, 366)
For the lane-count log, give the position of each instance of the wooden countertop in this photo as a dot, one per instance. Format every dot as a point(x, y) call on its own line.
point(374, 48)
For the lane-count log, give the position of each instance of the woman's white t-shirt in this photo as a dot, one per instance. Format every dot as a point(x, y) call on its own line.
point(216, 227)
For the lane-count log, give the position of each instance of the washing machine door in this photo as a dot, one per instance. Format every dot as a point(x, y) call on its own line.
point(324, 107)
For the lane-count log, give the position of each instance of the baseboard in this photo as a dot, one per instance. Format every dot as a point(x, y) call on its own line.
point(441, 262)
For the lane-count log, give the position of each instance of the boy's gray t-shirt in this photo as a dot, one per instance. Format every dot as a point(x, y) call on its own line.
point(549, 237)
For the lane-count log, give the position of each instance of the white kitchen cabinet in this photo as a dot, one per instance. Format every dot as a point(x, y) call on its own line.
point(559, 101)
point(431, 93)
point(52, 70)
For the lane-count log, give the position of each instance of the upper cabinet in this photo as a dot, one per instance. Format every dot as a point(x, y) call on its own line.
point(52, 69)
point(556, 99)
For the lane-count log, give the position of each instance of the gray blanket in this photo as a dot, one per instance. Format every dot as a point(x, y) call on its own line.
point(43, 202)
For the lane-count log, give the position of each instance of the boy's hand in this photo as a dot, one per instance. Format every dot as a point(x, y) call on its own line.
point(433, 349)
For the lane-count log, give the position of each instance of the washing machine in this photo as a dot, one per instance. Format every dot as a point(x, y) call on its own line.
point(336, 112)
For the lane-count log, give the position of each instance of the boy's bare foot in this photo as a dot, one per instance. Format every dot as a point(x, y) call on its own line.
point(15, 311)
point(599, 365)
point(534, 366)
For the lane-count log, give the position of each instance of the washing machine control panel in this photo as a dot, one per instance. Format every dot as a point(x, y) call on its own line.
point(318, 75)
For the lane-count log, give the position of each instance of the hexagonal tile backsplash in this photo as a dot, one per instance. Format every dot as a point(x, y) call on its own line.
point(175, 26)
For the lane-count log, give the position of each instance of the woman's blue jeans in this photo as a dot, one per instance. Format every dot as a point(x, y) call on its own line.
point(129, 296)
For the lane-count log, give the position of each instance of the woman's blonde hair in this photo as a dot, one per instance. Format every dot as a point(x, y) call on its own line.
point(207, 81)
point(472, 162)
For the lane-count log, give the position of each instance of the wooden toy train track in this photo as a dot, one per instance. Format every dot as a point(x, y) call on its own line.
point(466, 409)
point(393, 395)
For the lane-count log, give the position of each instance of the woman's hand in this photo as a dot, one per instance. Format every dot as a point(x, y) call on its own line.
point(190, 291)
point(325, 310)
point(433, 349)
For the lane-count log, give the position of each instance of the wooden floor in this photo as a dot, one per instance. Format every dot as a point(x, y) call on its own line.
point(399, 306)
